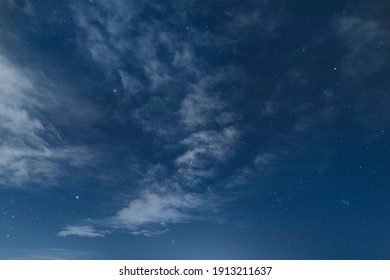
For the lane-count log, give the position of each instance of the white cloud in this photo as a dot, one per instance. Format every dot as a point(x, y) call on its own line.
point(23, 164)
point(149, 214)
point(83, 231)
point(204, 106)
point(26, 154)
point(198, 110)
point(158, 67)
point(156, 208)
point(265, 159)
point(157, 59)
point(205, 150)
point(149, 233)
point(138, 64)
point(208, 144)
point(102, 28)
point(365, 39)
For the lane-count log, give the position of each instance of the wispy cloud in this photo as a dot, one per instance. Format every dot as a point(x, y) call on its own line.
point(365, 40)
point(203, 106)
point(154, 208)
point(30, 146)
point(198, 110)
point(271, 108)
point(161, 201)
point(102, 29)
point(205, 146)
point(83, 231)
point(240, 177)
point(149, 214)
point(172, 95)
point(260, 16)
point(149, 233)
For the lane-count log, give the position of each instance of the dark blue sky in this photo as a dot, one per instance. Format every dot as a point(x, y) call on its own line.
point(194, 129)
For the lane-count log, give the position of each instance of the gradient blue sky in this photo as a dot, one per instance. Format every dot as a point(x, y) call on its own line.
point(218, 129)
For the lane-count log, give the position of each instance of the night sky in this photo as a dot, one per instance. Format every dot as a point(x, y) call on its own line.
point(217, 129)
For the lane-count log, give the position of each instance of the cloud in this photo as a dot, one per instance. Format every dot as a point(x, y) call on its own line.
point(211, 125)
point(198, 110)
point(245, 20)
point(203, 106)
point(240, 177)
point(31, 147)
point(205, 149)
point(153, 117)
point(101, 27)
point(83, 231)
point(102, 32)
point(24, 6)
point(258, 16)
point(156, 208)
point(168, 90)
point(160, 202)
point(149, 233)
point(269, 162)
point(208, 144)
point(151, 67)
point(265, 159)
point(148, 215)
point(365, 40)
point(22, 165)
point(156, 66)
point(130, 84)
point(270, 108)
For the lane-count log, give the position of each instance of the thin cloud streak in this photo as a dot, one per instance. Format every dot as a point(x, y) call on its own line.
point(83, 231)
